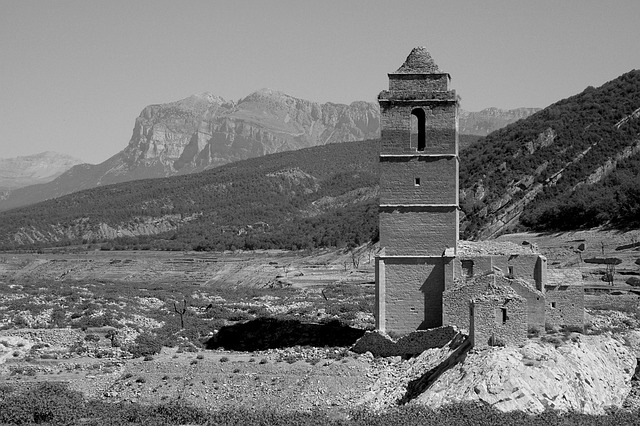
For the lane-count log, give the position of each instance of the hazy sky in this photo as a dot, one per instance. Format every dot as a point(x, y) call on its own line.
point(74, 75)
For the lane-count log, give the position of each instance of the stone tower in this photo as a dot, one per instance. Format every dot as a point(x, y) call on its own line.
point(418, 195)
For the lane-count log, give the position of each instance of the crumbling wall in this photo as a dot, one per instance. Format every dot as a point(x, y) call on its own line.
point(455, 302)
point(467, 267)
point(565, 306)
point(524, 266)
point(535, 300)
point(414, 343)
point(521, 266)
point(564, 294)
point(497, 320)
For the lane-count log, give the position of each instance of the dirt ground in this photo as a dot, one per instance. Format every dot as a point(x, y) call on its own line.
point(291, 378)
point(228, 269)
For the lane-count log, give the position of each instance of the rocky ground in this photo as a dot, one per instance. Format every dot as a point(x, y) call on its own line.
point(554, 370)
point(570, 373)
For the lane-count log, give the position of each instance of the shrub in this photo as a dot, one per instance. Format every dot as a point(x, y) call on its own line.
point(224, 359)
point(145, 344)
point(92, 338)
point(51, 403)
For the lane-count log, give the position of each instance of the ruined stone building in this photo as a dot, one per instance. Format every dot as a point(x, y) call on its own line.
point(425, 277)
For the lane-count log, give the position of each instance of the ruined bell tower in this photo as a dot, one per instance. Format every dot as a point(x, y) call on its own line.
point(418, 195)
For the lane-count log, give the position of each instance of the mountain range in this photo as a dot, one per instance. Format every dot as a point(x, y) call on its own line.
point(205, 131)
point(33, 169)
point(573, 164)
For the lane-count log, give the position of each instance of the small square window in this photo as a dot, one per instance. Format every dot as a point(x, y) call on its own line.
point(417, 182)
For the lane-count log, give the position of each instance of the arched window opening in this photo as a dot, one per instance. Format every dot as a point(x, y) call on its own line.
point(418, 120)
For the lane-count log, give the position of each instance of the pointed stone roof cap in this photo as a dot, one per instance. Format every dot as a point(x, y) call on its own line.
point(419, 61)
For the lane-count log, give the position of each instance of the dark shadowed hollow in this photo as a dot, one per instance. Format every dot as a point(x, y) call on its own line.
point(274, 333)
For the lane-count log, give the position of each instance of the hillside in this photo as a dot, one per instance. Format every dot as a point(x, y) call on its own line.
point(317, 196)
point(314, 197)
point(573, 164)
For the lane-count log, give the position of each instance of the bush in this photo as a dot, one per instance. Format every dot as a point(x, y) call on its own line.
point(51, 403)
point(92, 338)
point(145, 344)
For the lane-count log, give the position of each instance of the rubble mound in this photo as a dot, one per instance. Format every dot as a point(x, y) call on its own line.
point(585, 376)
point(381, 344)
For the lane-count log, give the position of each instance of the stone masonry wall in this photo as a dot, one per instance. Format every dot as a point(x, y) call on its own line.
point(420, 82)
point(437, 186)
point(413, 294)
point(455, 302)
point(418, 231)
point(455, 309)
point(487, 323)
point(395, 123)
point(522, 265)
point(478, 266)
point(535, 302)
point(565, 306)
point(564, 292)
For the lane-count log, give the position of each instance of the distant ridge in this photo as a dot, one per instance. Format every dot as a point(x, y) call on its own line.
point(488, 120)
point(28, 170)
point(205, 131)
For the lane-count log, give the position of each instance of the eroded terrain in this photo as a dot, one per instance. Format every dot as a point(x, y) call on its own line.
point(109, 324)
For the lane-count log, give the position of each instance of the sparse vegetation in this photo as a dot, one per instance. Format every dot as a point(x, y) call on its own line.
point(53, 403)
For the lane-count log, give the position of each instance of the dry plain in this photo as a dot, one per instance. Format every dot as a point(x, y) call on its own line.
point(73, 316)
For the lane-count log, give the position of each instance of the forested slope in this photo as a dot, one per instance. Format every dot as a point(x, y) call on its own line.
point(318, 196)
point(549, 168)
